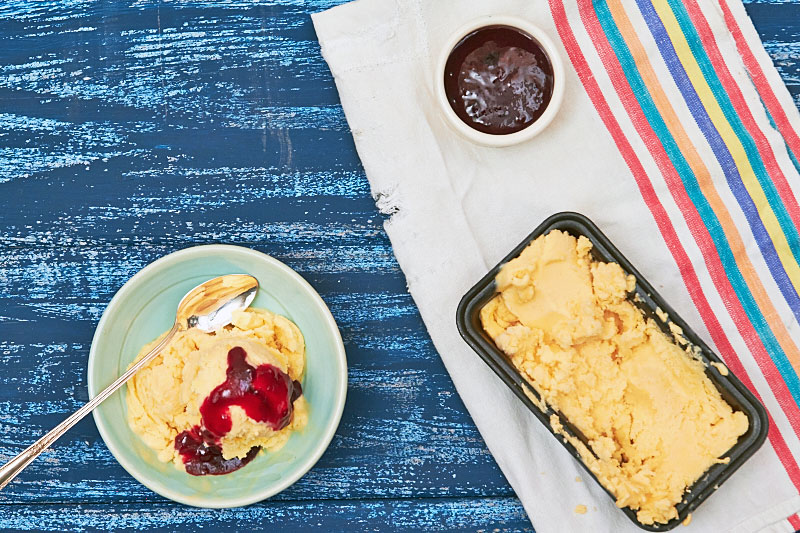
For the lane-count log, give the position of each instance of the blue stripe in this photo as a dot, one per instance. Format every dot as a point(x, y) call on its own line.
point(773, 197)
point(703, 208)
point(723, 155)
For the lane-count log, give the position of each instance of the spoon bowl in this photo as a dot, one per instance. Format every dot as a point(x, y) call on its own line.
point(210, 305)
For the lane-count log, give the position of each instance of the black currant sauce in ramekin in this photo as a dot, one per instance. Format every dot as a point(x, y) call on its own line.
point(498, 79)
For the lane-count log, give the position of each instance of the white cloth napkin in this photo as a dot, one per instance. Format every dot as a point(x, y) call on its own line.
point(457, 208)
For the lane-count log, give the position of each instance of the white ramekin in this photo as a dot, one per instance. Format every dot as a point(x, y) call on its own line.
point(488, 139)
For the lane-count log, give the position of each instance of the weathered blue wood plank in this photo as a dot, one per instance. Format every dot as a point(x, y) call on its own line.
point(169, 63)
point(496, 515)
point(182, 205)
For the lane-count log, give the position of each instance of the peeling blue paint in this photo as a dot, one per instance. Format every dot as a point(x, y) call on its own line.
point(451, 515)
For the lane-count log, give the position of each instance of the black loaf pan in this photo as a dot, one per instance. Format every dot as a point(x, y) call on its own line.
point(731, 389)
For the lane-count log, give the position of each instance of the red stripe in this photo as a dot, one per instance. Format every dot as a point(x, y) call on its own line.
point(693, 220)
point(743, 110)
point(794, 520)
point(763, 87)
point(665, 226)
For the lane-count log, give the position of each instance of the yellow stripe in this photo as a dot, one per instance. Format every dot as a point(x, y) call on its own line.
point(730, 139)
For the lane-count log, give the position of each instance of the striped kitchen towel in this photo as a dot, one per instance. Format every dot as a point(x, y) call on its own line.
point(676, 136)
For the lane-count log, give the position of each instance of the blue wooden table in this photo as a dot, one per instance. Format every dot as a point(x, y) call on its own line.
point(129, 130)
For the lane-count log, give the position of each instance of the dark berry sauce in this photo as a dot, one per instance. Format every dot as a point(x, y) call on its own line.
point(265, 393)
point(498, 80)
point(202, 455)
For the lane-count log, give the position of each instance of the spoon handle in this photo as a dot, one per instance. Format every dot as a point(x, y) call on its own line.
point(10, 470)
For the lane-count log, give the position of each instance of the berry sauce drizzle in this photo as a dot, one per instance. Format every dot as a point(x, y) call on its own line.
point(265, 393)
point(202, 455)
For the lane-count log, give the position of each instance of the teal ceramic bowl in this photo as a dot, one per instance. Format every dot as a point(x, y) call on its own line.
point(145, 307)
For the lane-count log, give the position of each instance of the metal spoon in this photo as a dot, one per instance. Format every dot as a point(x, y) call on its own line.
point(207, 307)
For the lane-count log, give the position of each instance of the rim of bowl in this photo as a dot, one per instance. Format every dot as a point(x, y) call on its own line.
point(332, 424)
point(537, 126)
